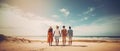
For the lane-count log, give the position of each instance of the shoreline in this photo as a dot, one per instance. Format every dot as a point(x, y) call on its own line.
point(15, 39)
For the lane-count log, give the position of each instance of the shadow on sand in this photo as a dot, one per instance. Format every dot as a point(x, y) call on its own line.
point(72, 45)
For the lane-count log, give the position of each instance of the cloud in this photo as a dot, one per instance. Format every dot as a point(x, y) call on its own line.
point(73, 21)
point(93, 15)
point(55, 16)
point(14, 21)
point(85, 18)
point(108, 20)
point(65, 11)
point(89, 11)
point(108, 26)
point(85, 15)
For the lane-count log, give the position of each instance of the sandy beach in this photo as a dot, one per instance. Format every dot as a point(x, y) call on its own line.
point(43, 46)
point(89, 25)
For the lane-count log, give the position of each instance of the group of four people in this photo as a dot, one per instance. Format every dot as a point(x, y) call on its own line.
point(57, 34)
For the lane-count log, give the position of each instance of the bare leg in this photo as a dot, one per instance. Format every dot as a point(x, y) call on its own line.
point(64, 40)
point(70, 40)
point(57, 42)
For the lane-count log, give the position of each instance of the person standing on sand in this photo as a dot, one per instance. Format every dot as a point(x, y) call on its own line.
point(57, 35)
point(70, 35)
point(50, 36)
point(64, 34)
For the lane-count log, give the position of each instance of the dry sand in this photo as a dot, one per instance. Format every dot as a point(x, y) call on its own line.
point(43, 46)
point(21, 44)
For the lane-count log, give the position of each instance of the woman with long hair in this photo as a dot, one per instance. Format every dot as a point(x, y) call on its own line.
point(50, 36)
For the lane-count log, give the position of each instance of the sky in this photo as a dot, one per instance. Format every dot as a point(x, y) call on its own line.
point(34, 17)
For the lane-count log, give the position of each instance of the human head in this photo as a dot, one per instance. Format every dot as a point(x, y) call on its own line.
point(69, 27)
point(63, 26)
point(50, 27)
point(57, 27)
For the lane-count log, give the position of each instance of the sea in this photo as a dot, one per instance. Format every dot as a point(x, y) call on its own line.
point(44, 38)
